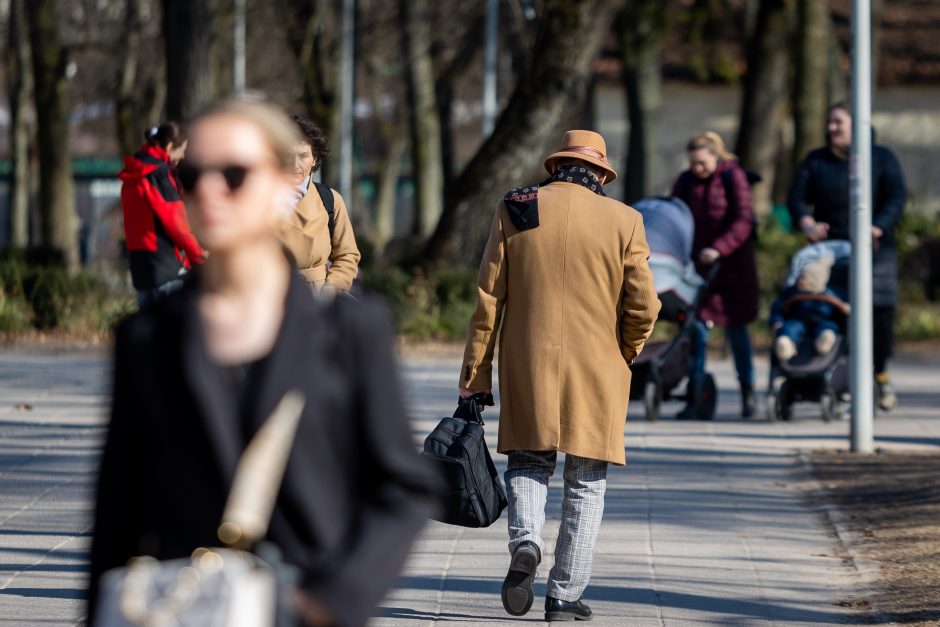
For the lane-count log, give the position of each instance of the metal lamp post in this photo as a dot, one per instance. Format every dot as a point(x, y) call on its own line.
point(862, 440)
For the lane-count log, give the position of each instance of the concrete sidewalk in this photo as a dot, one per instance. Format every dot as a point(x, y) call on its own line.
point(709, 523)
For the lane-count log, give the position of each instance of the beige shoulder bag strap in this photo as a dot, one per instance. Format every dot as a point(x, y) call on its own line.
point(259, 475)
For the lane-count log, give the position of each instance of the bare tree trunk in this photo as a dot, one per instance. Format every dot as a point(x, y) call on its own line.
point(127, 115)
point(641, 27)
point(449, 70)
point(189, 30)
point(543, 100)
point(311, 28)
point(812, 75)
point(426, 151)
point(877, 14)
point(838, 86)
point(19, 71)
point(764, 99)
point(387, 195)
point(56, 196)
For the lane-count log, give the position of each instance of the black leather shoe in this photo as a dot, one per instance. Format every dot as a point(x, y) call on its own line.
point(517, 587)
point(747, 401)
point(556, 609)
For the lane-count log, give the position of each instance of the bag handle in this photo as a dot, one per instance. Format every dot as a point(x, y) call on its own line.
point(469, 408)
point(259, 475)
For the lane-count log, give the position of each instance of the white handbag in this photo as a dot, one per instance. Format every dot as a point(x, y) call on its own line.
point(215, 587)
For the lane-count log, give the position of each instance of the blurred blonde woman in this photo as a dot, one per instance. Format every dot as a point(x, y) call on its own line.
point(197, 374)
point(717, 191)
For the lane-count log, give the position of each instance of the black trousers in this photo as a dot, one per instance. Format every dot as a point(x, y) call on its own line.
point(883, 345)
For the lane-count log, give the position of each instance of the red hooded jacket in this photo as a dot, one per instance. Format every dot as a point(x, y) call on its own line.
point(155, 223)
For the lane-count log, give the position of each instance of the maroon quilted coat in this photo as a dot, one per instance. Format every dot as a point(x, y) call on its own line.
point(725, 224)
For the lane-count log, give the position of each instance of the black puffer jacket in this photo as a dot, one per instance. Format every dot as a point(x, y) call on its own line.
point(821, 189)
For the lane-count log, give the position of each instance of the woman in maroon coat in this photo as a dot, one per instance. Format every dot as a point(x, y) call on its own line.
point(717, 191)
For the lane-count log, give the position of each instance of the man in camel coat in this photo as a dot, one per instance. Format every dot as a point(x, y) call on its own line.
point(565, 278)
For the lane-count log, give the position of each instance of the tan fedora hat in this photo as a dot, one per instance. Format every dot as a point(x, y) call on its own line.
point(586, 146)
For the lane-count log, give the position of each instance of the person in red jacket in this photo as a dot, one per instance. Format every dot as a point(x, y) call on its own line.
point(160, 244)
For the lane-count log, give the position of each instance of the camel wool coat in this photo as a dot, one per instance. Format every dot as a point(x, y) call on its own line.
point(573, 303)
point(305, 232)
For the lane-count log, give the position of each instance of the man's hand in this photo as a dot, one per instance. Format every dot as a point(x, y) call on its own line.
point(467, 393)
point(814, 231)
point(708, 256)
point(876, 234)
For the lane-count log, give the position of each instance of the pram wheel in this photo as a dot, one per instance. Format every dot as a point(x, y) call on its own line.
point(778, 403)
point(652, 400)
point(829, 407)
point(773, 408)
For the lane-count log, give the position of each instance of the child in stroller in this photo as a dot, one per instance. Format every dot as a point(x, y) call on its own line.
point(663, 364)
point(808, 361)
point(807, 309)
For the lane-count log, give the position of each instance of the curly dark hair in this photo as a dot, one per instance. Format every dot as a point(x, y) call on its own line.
point(313, 135)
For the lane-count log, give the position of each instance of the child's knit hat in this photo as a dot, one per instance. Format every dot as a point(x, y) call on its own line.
point(815, 275)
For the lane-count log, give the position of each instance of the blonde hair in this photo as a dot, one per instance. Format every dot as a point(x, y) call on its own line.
point(713, 143)
point(281, 132)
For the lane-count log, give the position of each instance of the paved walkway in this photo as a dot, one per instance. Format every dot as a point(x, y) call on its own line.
point(708, 524)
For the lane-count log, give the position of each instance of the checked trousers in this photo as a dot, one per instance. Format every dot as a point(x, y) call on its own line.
point(582, 508)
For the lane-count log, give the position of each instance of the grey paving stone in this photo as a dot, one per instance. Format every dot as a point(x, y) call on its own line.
point(707, 525)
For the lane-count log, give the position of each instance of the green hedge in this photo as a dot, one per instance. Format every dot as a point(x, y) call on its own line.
point(37, 292)
point(427, 306)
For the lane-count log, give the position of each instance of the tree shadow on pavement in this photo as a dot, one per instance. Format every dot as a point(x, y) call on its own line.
point(45, 593)
point(726, 609)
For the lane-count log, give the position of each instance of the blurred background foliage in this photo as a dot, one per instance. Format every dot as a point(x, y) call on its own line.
point(82, 79)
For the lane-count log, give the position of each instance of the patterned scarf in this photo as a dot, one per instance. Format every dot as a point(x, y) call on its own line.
point(522, 203)
point(577, 174)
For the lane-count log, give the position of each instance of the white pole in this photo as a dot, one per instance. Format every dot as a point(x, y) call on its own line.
point(346, 100)
point(489, 68)
point(238, 69)
point(860, 225)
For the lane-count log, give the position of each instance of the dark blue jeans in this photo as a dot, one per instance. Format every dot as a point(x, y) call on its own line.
point(796, 329)
point(740, 343)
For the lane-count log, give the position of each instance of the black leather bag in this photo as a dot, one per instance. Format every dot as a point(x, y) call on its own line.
point(473, 495)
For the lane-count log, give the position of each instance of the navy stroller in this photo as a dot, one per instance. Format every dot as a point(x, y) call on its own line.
point(664, 364)
point(808, 376)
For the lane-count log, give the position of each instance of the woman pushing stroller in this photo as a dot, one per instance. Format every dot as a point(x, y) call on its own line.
point(717, 191)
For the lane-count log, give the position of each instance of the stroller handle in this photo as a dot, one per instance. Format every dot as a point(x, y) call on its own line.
point(709, 277)
point(712, 272)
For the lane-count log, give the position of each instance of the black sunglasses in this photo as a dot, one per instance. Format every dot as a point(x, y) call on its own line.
point(189, 174)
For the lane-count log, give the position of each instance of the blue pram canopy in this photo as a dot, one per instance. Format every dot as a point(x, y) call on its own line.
point(669, 227)
point(669, 231)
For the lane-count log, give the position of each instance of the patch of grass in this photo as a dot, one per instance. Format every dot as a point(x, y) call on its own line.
point(37, 292)
point(15, 314)
point(435, 306)
point(918, 322)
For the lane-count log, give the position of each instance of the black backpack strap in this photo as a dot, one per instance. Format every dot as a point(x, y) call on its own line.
point(326, 195)
point(685, 185)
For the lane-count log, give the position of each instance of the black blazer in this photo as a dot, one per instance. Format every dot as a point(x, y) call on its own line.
point(355, 492)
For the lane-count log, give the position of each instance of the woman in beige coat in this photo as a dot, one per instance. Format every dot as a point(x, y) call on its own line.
point(565, 283)
point(320, 239)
